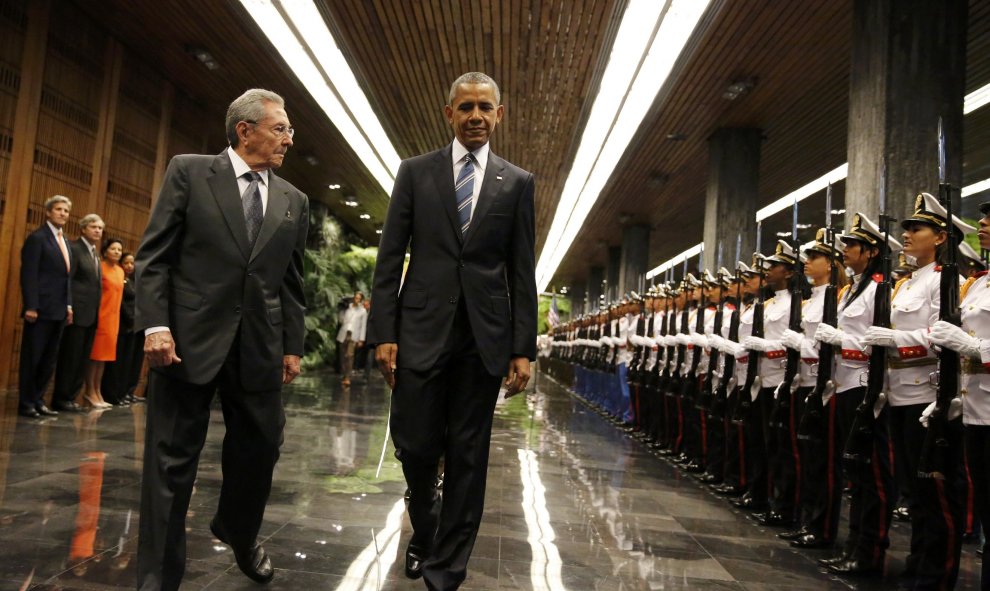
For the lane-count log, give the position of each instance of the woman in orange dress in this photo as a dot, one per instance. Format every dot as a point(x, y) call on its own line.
point(107, 324)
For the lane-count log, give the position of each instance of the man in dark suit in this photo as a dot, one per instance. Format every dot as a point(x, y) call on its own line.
point(77, 338)
point(466, 315)
point(45, 267)
point(220, 300)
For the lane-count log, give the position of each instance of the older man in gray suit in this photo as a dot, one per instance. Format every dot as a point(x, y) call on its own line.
point(220, 298)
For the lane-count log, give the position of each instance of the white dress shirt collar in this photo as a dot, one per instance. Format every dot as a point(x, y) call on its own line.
point(240, 167)
point(458, 151)
point(55, 230)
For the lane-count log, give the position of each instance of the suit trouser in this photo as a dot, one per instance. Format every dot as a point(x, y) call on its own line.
point(870, 506)
point(936, 505)
point(39, 350)
point(73, 353)
point(178, 417)
point(445, 411)
point(978, 458)
point(821, 476)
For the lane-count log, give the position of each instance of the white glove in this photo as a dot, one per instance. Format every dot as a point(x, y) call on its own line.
point(950, 336)
point(879, 336)
point(715, 342)
point(792, 340)
point(828, 334)
point(735, 349)
point(682, 339)
point(756, 344)
point(699, 340)
point(954, 412)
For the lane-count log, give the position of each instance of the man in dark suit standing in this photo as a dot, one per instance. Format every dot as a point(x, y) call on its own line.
point(220, 300)
point(77, 339)
point(45, 268)
point(466, 315)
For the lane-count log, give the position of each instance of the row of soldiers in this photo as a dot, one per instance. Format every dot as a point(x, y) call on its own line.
point(785, 379)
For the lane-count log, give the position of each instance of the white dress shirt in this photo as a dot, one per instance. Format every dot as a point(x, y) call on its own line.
point(457, 154)
point(240, 169)
point(353, 321)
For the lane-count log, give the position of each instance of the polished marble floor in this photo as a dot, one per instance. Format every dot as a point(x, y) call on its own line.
point(573, 504)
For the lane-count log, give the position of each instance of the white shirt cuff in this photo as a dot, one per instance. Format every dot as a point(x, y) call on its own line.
point(154, 329)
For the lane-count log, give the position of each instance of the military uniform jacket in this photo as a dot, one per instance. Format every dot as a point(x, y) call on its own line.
point(776, 313)
point(855, 317)
point(975, 310)
point(746, 318)
point(811, 317)
point(913, 310)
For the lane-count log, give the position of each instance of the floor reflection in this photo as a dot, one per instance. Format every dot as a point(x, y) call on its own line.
point(572, 504)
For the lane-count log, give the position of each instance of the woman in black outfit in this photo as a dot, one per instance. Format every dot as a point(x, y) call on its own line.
point(121, 377)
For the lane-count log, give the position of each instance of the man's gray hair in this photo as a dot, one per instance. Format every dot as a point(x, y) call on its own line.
point(250, 106)
point(474, 78)
point(90, 218)
point(51, 201)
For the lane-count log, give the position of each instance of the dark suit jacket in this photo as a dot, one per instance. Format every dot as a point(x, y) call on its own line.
point(44, 278)
point(492, 266)
point(86, 285)
point(197, 274)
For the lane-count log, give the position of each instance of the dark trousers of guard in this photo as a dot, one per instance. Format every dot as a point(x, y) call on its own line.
point(675, 424)
point(978, 458)
point(870, 505)
point(694, 421)
point(758, 440)
point(655, 419)
point(39, 350)
point(735, 445)
point(178, 417)
point(937, 511)
point(822, 476)
point(73, 353)
point(786, 457)
point(717, 430)
point(445, 411)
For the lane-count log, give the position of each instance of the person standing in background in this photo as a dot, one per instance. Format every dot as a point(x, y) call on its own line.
point(45, 268)
point(105, 342)
point(350, 336)
point(77, 339)
point(121, 377)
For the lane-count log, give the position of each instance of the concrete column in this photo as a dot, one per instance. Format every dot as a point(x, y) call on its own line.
point(731, 198)
point(635, 255)
point(594, 286)
point(612, 272)
point(908, 68)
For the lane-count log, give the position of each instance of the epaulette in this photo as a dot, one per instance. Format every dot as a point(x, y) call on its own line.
point(938, 268)
point(898, 285)
point(979, 274)
point(969, 283)
point(878, 277)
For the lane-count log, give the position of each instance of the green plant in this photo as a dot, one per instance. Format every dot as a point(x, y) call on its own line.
point(333, 270)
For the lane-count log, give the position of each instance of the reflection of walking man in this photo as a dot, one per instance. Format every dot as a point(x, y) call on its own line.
point(220, 299)
point(350, 336)
point(466, 316)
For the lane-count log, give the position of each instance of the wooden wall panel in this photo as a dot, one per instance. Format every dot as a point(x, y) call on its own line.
point(12, 24)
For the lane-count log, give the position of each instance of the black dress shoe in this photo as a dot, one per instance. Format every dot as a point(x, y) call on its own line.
point(749, 504)
point(793, 534)
point(28, 412)
point(776, 519)
point(44, 410)
point(67, 406)
point(415, 557)
point(729, 490)
point(856, 567)
point(826, 562)
point(693, 467)
point(253, 561)
point(902, 514)
point(811, 542)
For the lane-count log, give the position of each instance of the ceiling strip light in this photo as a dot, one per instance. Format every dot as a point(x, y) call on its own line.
point(628, 88)
point(677, 260)
point(297, 30)
point(804, 192)
point(975, 188)
point(976, 99)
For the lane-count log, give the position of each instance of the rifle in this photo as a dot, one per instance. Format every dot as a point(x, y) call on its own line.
point(810, 427)
point(782, 404)
point(935, 449)
point(859, 446)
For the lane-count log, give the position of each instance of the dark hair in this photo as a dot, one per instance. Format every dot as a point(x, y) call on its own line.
point(872, 268)
point(110, 242)
point(127, 254)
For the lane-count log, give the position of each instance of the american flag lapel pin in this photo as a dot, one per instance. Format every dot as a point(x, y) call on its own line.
point(498, 177)
point(288, 215)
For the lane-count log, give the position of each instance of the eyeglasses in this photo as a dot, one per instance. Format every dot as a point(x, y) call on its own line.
point(281, 130)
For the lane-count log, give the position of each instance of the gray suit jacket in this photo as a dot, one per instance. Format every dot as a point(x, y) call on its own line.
point(492, 266)
point(197, 274)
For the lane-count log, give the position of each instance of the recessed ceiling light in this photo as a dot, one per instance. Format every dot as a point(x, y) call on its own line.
point(350, 203)
point(365, 216)
point(333, 187)
point(676, 137)
point(378, 231)
point(204, 57)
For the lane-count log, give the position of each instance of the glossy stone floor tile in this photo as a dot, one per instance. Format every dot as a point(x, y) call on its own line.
point(573, 504)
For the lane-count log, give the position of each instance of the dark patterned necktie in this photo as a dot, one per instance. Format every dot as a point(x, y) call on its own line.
point(464, 189)
point(254, 213)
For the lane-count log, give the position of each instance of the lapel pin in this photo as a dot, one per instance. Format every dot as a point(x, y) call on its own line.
point(498, 178)
point(288, 215)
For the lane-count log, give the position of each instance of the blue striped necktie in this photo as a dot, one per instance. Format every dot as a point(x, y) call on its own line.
point(464, 189)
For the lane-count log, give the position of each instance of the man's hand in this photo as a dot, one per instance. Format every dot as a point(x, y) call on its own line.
point(159, 348)
point(290, 368)
point(68, 318)
point(360, 344)
point(518, 377)
point(31, 316)
point(385, 355)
